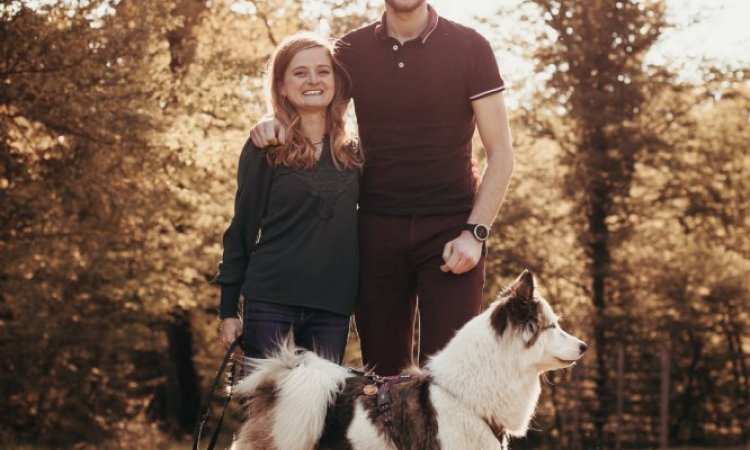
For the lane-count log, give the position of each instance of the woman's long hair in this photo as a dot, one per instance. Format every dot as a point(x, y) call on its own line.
point(298, 151)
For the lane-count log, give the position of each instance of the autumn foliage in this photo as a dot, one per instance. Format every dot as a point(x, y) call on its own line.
point(120, 128)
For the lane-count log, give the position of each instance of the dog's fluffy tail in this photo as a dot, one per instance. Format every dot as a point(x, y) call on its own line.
point(305, 385)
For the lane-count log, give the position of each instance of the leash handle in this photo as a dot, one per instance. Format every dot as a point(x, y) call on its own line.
point(207, 406)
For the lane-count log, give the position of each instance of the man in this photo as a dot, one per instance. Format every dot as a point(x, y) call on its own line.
point(420, 85)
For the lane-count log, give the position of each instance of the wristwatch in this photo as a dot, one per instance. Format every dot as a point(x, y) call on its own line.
point(480, 232)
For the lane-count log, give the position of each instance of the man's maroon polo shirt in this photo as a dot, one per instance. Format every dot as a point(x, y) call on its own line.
point(413, 106)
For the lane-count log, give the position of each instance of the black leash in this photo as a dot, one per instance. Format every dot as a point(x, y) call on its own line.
point(207, 406)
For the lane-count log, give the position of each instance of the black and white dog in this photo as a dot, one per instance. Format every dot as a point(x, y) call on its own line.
point(483, 386)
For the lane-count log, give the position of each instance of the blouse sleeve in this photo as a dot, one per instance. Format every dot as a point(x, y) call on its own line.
point(235, 259)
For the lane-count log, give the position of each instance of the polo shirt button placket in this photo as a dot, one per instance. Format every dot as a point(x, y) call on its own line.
point(399, 64)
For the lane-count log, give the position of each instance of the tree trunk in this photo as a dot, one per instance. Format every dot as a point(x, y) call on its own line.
point(183, 387)
point(182, 40)
point(686, 401)
point(598, 235)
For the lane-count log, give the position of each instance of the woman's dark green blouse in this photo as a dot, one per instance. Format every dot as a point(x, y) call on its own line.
point(293, 237)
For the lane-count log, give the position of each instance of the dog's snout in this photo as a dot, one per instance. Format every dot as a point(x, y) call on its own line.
point(583, 347)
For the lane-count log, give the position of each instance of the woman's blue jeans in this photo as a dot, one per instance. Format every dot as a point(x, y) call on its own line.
point(266, 324)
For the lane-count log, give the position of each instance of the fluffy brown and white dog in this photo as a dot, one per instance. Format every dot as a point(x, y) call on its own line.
point(483, 386)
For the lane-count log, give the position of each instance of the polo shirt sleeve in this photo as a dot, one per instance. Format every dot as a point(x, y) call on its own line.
point(343, 53)
point(484, 75)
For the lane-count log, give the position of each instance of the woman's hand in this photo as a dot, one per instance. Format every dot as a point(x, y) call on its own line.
point(229, 330)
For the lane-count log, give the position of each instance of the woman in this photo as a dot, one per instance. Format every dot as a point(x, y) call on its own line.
point(291, 247)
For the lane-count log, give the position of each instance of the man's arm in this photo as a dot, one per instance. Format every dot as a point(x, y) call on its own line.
point(268, 131)
point(463, 253)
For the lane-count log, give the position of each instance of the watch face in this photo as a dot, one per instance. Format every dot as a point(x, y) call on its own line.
point(481, 232)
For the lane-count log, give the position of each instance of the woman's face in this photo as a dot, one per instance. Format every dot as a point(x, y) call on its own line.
point(308, 81)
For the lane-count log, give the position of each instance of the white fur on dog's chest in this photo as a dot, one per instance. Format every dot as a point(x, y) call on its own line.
point(458, 427)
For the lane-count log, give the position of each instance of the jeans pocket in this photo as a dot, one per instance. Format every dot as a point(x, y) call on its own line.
point(265, 325)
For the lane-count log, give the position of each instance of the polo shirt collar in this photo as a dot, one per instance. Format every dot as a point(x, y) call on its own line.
point(381, 30)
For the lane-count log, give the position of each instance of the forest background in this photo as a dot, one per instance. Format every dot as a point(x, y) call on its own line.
point(120, 129)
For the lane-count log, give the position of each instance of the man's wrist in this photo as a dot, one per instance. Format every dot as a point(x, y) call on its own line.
point(479, 231)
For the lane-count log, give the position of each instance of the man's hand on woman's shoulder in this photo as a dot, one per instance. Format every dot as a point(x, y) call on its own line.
point(268, 132)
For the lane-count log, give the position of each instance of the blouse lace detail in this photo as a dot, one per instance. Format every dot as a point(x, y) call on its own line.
point(327, 183)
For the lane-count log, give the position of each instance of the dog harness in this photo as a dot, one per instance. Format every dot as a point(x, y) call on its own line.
point(384, 396)
point(381, 386)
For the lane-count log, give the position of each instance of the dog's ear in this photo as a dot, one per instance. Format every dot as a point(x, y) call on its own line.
point(520, 308)
point(523, 287)
point(524, 307)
